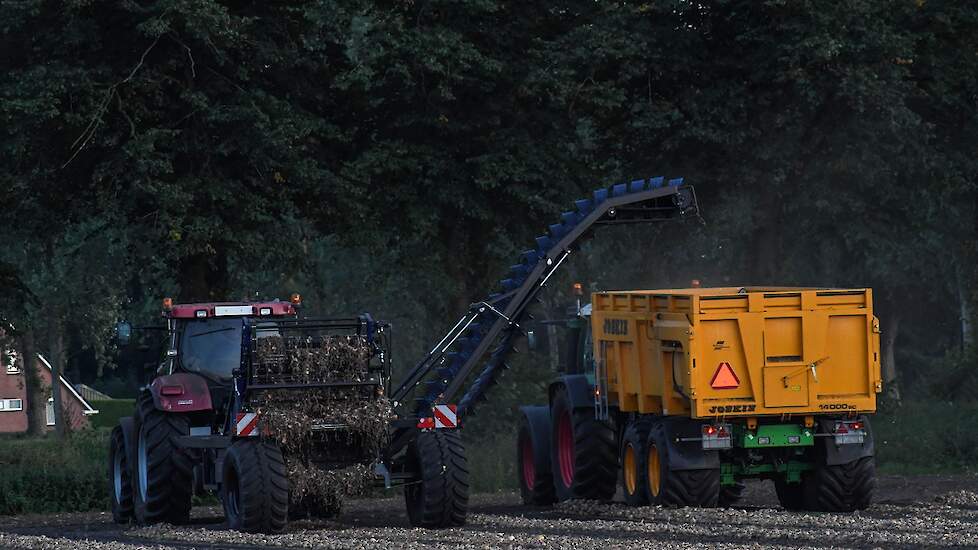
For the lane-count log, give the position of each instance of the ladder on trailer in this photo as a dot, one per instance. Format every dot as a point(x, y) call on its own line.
point(494, 323)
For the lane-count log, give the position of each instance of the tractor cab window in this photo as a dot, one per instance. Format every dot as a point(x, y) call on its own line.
point(212, 347)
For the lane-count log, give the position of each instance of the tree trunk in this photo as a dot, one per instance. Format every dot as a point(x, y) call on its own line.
point(33, 393)
point(891, 386)
point(56, 348)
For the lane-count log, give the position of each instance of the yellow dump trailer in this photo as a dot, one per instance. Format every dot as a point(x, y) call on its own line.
point(688, 392)
point(738, 352)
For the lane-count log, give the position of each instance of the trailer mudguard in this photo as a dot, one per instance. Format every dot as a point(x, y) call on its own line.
point(579, 390)
point(688, 455)
point(844, 454)
point(181, 392)
point(538, 419)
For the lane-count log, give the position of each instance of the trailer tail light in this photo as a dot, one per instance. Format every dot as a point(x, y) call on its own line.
point(167, 304)
point(716, 436)
point(850, 432)
point(171, 390)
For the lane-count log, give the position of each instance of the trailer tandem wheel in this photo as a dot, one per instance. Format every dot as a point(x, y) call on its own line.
point(120, 478)
point(633, 462)
point(533, 463)
point(162, 475)
point(255, 488)
point(440, 498)
point(668, 487)
point(584, 457)
point(844, 487)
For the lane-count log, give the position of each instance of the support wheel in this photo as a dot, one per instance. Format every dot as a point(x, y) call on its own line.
point(440, 498)
point(845, 487)
point(730, 495)
point(162, 474)
point(533, 465)
point(635, 476)
point(120, 478)
point(255, 489)
point(668, 487)
point(584, 454)
point(791, 495)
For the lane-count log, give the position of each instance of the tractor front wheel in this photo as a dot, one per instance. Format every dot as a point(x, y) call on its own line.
point(120, 478)
point(439, 497)
point(533, 465)
point(162, 474)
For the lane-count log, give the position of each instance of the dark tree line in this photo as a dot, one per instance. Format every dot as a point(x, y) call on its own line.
point(396, 155)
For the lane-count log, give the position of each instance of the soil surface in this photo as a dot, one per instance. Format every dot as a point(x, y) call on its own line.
point(911, 512)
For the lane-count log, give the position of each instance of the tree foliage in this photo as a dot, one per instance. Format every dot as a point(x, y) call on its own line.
point(397, 155)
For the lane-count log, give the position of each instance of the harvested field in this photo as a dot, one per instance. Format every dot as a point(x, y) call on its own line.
point(913, 511)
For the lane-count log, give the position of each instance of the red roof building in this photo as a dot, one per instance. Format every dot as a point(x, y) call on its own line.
point(13, 397)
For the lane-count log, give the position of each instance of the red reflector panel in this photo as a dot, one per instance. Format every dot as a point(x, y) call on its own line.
point(171, 390)
point(724, 378)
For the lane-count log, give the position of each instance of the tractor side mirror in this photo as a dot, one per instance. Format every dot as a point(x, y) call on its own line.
point(123, 333)
point(531, 340)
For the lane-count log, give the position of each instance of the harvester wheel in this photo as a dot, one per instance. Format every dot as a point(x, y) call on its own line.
point(634, 470)
point(533, 468)
point(120, 478)
point(255, 489)
point(162, 475)
point(440, 498)
point(844, 487)
point(731, 494)
point(584, 457)
point(668, 487)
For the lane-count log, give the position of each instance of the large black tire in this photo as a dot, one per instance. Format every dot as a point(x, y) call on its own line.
point(162, 473)
point(635, 472)
point(255, 488)
point(584, 455)
point(792, 495)
point(440, 497)
point(668, 487)
point(845, 487)
point(533, 468)
point(120, 478)
point(731, 494)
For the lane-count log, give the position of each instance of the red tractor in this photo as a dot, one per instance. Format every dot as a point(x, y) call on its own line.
point(198, 425)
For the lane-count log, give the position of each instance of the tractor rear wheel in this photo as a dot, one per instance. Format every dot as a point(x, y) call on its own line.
point(533, 467)
point(440, 497)
point(120, 478)
point(584, 457)
point(255, 488)
point(668, 487)
point(162, 474)
point(634, 471)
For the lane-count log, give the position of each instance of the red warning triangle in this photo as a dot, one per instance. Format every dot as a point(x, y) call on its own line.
point(725, 378)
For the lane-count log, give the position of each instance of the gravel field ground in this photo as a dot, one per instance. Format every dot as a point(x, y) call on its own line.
point(912, 512)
